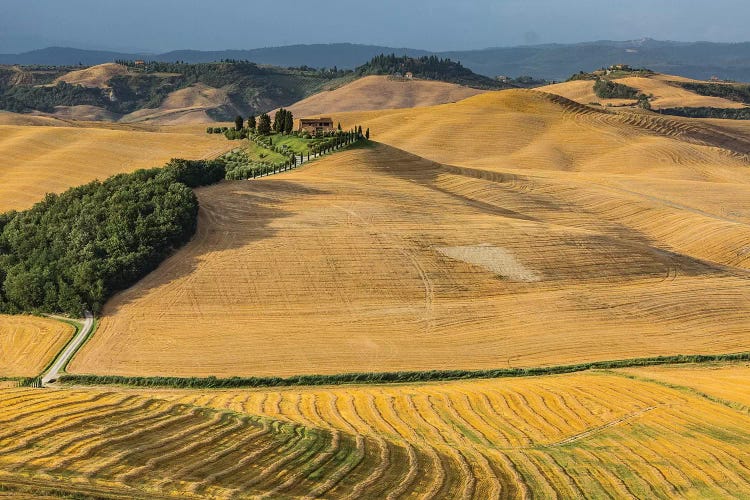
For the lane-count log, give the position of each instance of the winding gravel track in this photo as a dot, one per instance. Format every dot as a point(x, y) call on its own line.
point(64, 357)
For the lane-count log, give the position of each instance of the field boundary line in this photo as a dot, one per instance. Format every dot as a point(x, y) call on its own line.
point(391, 377)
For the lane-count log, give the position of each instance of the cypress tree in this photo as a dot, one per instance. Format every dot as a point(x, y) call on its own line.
point(251, 122)
point(288, 122)
point(238, 121)
point(264, 124)
point(367, 134)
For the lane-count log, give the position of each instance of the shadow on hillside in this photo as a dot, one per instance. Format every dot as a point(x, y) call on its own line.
point(226, 211)
point(621, 250)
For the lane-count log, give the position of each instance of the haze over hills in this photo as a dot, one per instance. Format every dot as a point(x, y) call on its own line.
point(552, 61)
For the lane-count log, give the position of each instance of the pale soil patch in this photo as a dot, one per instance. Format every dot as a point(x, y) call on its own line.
point(28, 344)
point(496, 260)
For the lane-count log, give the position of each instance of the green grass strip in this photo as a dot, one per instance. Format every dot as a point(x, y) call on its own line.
point(389, 377)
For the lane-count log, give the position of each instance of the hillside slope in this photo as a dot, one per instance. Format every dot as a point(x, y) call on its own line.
point(43, 159)
point(381, 92)
point(666, 93)
point(28, 344)
point(558, 234)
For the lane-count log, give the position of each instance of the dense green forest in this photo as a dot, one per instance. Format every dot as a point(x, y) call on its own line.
point(704, 112)
point(72, 251)
point(612, 90)
point(428, 68)
point(733, 92)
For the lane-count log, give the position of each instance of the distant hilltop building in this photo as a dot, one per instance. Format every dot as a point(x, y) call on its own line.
point(139, 62)
point(315, 125)
point(409, 75)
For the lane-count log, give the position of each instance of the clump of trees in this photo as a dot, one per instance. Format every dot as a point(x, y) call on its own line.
point(708, 112)
point(732, 92)
point(283, 121)
point(429, 68)
point(607, 89)
point(72, 251)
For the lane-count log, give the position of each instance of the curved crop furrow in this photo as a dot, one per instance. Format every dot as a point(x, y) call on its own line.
point(418, 406)
point(581, 475)
point(192, 455)
point(310, 444)
point(165, 420)
point(721, 472)
point(538, 481)
point(114, 434)
point(34, 432)
point(26, 398)
point(667, 439)
point(372, 416)
point(92, 425)
point(43, 417)
point(237, 466)
point(558, 477)
point(486, 485)
point(513, 485)
point(649, 473)
point(308, 464)
point(521, 417)
point(378, 472)
point(191, 467)
point(429, 483)
point(568, 413)
point(608, 480)
point(513, 435)
point(179, 445)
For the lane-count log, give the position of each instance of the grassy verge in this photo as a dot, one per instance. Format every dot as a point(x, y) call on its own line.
point(389, 377)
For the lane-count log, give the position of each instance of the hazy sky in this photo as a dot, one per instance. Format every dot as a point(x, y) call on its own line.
point(162, 25)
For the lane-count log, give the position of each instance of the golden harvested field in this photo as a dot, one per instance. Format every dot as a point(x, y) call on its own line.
point(28, 344)
point(726, 382)
point(122, 445)
point(666, 95)
point(381, 92)
point(38, 160)
point(589, 434)
point(549, 239)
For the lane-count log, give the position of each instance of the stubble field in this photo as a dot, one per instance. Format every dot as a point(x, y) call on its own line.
point(599, 434)
point(28, 344)
point(574, 237)
point(42, 159)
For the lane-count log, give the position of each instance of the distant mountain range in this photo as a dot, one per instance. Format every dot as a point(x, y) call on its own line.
point(554, 62)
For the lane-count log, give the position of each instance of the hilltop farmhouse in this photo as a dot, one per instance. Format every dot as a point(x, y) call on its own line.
point(315, 125)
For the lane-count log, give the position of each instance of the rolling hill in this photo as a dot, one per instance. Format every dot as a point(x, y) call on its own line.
point(665, 88)
point(381, 92)
point(43, 159)
point(393, 261)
